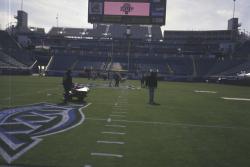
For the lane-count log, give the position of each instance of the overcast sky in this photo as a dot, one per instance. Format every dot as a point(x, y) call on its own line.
point(181, 14)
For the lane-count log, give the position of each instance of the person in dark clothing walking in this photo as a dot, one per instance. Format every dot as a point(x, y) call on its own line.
point(117, 79)
point(67, 84)
point(151, 83)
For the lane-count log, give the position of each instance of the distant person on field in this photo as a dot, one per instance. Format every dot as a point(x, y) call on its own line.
point(117, 79)
point(143, 81)
point(67, 84)
point(151, 83)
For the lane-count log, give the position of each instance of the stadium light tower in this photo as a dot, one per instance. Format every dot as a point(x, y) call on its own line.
point(234, 8)
point(128, 34)
point(22, 5)
point(57, 20)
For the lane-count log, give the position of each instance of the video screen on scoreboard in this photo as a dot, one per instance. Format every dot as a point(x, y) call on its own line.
point(127, 11)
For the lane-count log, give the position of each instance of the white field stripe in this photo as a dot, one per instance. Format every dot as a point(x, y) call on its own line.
point(110, 142)
point(119, 112)
point(114, 133)
point(236, 99)
point(121, 106)
point(174, 124)
point(123, 102)
point(107, 155)
point(120, 109)
point(116, 126)
point(204, 91)
point(117, 115)
point(182, 124)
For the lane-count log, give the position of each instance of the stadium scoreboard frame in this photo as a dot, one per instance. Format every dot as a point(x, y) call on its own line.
point(144, 12)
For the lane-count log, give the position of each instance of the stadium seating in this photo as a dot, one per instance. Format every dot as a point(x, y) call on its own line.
point(203, 65)
point(238, 69)
point(11, 61)
point(224, 65)
point(11, 47)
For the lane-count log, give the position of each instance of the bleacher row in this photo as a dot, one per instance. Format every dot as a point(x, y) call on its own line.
point(112, 31)
point(180, 66)
point(11, 53)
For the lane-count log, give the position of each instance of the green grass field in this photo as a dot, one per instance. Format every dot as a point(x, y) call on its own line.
point(186, 129)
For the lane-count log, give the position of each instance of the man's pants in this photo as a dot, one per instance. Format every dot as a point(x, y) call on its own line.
point(151, 95)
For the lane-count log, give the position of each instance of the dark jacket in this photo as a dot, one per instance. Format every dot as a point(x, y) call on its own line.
point(67, 81)
point(151, 80)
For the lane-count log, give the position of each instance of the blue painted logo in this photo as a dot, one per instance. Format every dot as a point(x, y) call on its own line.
point(23, 128)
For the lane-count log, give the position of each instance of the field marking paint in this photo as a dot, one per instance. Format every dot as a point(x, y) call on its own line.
point(117, 112)
point(174, 124)
point(64, 130)
point(107, 155)
point(123, 102)
point(87, 165)
point(114, 133)
point(235, 99)
point(117, 115)
point(37, 138)
point(116, 126)
point(205, 91)
point(110, 142)
point(121, 109)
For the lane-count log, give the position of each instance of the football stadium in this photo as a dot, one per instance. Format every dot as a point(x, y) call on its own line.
point(138, 95)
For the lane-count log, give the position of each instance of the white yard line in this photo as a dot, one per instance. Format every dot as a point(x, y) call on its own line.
point(117, 115)
point(110, 142)
point(107, 155)
point(117, 112)
point(205, 91)
point(116, 126)
point(119, 108)
point(235, 99)
point(114, 133)
point(173, 124)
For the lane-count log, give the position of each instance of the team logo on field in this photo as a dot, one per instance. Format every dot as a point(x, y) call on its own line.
point(23, 128)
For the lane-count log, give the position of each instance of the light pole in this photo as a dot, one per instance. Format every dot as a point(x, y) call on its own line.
point(128, 34)
point(57, 20)
point(234, 9)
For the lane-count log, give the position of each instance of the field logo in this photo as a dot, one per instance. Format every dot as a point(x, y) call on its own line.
point(23, 128)
point(127, 8)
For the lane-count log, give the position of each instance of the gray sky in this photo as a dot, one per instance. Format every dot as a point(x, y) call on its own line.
point(181, 14)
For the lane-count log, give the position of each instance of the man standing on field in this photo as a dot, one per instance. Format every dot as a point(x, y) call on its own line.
point(151, 83)
point(67, 84)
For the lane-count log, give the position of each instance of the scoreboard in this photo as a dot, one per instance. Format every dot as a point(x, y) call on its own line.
point(146, 12)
